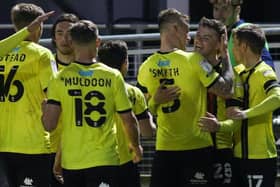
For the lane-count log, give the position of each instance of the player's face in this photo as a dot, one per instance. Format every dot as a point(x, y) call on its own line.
point(61, 32)
point(224, 12)
point(237, 50)
point(206, 42)
point(182, 35)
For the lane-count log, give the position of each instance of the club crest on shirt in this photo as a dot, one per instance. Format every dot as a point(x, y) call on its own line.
point(206, 66)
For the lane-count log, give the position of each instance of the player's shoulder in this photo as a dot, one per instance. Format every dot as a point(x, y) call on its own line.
point(132, 88)
point(265, 70)
point(38, 47)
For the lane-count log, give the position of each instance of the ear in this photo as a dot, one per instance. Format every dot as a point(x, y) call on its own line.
point(124, 67)
point(98, 42)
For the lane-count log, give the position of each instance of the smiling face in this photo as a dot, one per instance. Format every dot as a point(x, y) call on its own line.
point(206, 42)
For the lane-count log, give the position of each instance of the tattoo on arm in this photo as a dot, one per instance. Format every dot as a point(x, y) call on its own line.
point(224, 85)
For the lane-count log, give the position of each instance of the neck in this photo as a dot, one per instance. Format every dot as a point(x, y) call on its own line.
point(85, 55)
point(66, 59)
point(234, 21)
point(213, 60)
point(252, 61)
point(168, 44)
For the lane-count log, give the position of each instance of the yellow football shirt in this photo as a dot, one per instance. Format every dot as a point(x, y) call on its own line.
point(178, 120)
point(255, 139)
point(24, 76)
point(90, 96)
point(139, 106)
point(225, 139)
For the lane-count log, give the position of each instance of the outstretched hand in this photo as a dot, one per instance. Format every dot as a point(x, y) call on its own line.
point(34, 25)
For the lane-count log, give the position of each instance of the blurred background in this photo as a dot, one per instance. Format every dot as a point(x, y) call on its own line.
point(111, 12)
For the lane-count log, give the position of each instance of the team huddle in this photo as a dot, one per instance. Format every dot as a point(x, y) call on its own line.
point(70, 119)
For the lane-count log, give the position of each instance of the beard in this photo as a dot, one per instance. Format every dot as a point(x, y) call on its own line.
point(64, 50)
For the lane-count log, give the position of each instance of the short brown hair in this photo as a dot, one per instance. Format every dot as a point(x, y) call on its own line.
point(22, 14)
point(171, 15)
point(113, 53)
point(214, 24)
point(252, 35)
point(84, 32)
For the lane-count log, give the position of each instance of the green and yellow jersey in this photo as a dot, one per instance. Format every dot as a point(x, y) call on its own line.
point(7, 44)
point(255, 140)
point(89, 96)
point(139, 107)
point(24, 76)
point(178, 120)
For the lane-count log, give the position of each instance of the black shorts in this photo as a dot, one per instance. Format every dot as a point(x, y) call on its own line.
point(93, 177)
point(255, 172)
point(25, 169)
point(223, 175)
point(182, 168)
point(129, 175)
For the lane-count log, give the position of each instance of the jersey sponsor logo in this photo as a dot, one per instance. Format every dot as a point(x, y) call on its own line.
point(81, 81)
point(163, 63)
point(86, 73)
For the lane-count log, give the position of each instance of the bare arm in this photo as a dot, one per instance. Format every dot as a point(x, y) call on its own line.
point(132, 131)
point(51, 113)
point(7, 44)
point(34, 25)
point(224, 85)
point(147, 126)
